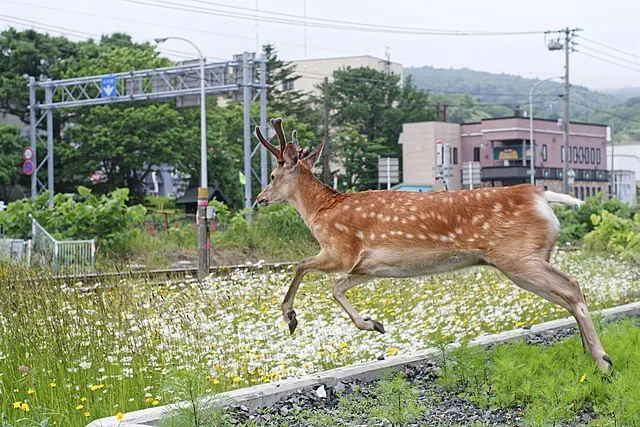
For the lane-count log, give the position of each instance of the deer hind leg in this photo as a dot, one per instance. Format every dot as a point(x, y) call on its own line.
point(341, 286)
point(546, 281)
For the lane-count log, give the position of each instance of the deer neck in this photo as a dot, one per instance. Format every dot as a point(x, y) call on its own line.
point(310, 195)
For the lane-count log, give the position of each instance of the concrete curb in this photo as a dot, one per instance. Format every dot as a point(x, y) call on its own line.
point(266, 394)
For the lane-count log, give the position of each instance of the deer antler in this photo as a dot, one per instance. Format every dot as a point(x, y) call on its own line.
point(277, 126)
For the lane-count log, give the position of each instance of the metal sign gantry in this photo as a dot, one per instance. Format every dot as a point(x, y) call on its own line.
point(245, 78)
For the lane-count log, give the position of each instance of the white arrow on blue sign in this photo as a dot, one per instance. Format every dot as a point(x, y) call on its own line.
point(108, 86)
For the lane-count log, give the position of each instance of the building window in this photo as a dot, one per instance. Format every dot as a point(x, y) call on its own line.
point(581, 193)
point(586, 155)
point(588, 192)
point(546, 187)
point(581, 155)
point(575, 190)
point(570, 160)
point(455, 155)
point(597, 155)
point(593, 191)
point(562, 154)
point(593, 156)
point(476, 154)
point(544, 152)
point(575, 154)
point(287, 85)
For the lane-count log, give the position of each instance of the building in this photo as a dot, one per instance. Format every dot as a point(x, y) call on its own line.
point(500, 145)
point(313, 71)
point(624, 186)
point(626, 156)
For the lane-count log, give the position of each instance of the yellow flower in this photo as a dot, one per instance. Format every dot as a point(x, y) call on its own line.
point(52, 385)
point(24, 406)
point(97, 387)
point(393, 351)
point(79, 407)
point(155, 403)
point(237, 379)
point(120, 416)
point(87, 414)
point(216, 381)
point(16, 405)
point(31, 391)
point(148, 400)
point(83, 399)
point(583, 378)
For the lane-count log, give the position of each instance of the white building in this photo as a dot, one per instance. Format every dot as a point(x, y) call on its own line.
point(313, 71)
point(626, 156)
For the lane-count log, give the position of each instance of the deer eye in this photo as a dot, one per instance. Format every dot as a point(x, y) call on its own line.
point(273, 176)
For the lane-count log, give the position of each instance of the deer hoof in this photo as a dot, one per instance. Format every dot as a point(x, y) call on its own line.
point(607, 359)
point(292, 321)
point(377, 326)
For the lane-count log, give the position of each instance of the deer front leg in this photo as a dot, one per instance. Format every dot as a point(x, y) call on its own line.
point(341, 286)
point(320, 262)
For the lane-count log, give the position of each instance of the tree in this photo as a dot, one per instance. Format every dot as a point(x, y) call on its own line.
point(358, 157)
point(12, 142)
point(124, 143)
point(374, 104)
point(28, 53)
point(281, 74)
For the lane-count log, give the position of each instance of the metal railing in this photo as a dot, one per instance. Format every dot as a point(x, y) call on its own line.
point(68, 256)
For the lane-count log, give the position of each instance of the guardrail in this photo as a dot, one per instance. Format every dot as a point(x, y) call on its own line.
point(72, 256)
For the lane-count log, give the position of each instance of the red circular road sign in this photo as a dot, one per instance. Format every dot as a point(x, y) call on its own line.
point(28, 167)
point(27, 153)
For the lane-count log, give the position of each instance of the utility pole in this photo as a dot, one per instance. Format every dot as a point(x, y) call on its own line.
point(327, 146)
point(569, 34)
point(565, 120)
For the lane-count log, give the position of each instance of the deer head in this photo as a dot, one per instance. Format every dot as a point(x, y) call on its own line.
point(292, 162)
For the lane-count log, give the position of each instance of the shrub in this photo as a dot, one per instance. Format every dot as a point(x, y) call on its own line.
point(615, 235)
point(84, 215)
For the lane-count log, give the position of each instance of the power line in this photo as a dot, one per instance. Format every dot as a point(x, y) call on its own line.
point(173, 27)
point(610, 62)
point(610, 47)
point(79, 34)
point(286, 21)
point(619, 58)
point(618, 116)
point(363, 24)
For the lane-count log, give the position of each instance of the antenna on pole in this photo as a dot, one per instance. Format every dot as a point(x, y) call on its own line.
point(305, 27)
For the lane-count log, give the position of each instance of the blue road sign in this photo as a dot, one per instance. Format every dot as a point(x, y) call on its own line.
point(28, 167)
point(108, 86)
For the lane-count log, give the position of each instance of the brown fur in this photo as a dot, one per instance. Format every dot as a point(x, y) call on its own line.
point(401, 234)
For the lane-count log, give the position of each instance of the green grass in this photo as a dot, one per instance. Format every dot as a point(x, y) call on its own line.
point(554, 384)
point(113, 348)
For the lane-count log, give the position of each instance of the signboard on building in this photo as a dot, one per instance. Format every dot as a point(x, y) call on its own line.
point(388, 171)
point(471, 175)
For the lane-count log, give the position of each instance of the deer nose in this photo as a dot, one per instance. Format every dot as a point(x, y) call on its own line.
point(262, 200)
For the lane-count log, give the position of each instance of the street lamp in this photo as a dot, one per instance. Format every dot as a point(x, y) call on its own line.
point(533, 157)
point(203, 191)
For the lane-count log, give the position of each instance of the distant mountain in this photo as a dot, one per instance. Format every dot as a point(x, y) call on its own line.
point(623, 93)
point(624, 118)
point(510, 90)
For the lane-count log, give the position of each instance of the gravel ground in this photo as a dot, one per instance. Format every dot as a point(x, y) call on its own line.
point(443, 406)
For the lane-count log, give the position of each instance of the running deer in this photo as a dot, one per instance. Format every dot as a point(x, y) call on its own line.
point(385, 233)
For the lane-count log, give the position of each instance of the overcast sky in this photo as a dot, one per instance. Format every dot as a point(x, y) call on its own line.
point(613, 23)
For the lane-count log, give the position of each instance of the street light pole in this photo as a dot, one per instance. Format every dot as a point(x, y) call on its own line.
point(533, 157)
point(203, 191)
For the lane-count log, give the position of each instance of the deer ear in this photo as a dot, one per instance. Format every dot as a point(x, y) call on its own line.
point(290, 155)
point(312, 158)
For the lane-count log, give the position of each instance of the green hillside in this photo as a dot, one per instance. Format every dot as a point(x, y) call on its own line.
point(508, 89)
point(625, 119)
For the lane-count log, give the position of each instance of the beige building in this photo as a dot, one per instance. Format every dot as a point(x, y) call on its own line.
point(419, 154)
point(313, 71)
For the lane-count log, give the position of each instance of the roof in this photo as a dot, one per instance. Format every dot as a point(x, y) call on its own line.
point(191, 195)
point(539, 119)
point(412, 187)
